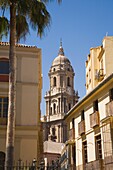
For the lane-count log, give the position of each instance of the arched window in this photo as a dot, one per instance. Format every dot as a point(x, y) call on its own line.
point(54, 108)
point(61, 81)
point(68, 81)
point(54, 81)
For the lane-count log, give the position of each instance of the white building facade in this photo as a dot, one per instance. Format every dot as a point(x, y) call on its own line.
point(90, 121)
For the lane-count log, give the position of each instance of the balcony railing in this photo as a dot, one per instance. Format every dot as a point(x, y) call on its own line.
point(94, 119)
point(81, 127)
point(109, 109)
point(72, 134)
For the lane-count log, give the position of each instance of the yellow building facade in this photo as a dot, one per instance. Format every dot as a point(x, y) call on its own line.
point(90, 121)
point(28, 98)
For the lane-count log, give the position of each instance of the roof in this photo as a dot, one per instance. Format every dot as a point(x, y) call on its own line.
point(61, 58)
point(17, 45)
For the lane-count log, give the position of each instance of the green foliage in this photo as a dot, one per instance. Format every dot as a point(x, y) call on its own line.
point(39, 17)
point(32, 12)
point(22, 28)
point(4, 27)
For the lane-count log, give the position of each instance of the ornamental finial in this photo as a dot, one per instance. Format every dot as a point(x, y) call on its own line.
point(61, 50)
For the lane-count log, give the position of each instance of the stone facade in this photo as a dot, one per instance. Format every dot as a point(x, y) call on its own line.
point(60, 98)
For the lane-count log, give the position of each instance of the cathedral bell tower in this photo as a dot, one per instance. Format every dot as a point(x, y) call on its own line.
point(61, 96)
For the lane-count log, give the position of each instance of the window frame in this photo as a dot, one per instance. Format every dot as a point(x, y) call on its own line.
point(3, 107)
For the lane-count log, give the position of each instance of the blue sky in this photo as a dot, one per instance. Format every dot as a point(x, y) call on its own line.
point(81, 24)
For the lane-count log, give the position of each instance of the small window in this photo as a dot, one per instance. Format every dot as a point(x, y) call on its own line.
point(61, 81)
point(54, 69)
point(111, 94)
point(51, 111)
point(98, 147)
point(54, 108)
point(53, 131)
point(73, 123)
point(69, 106)
point(74, 153)
point(54, 81)
point(4, 66)
point(64, 105)
point(68, 81)
point(82, 115)
point(68, 69)
point(84, 144)
point(95, 105)
point(4, 107)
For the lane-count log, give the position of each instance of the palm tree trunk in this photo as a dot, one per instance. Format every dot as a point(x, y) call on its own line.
point(12, 91)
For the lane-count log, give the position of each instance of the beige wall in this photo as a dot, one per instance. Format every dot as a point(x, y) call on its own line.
point(97, 56)
point(28, 99)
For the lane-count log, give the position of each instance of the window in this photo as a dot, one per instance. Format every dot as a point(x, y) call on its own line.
point(95, 105)
point(61, 81)
point(53, 131)
point(54, 108)
point(4, 107)
point(54, 81)
point(4, 66)
point(111, 94)
point(74, 153)
point(68, 81)
point(98, 147)
point(73, 123)
point(64, 105)
point(84, 144)
point(82, 115)
point(51, 111)
point(69, 106)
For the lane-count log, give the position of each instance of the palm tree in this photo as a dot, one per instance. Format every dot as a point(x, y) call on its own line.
point(22, 12)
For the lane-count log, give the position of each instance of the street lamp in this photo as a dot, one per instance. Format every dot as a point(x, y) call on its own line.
point(34, 164)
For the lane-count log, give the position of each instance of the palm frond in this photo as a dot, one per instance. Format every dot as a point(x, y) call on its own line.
point(22, 28)
point(39, 17)
point(4, 27)
point(23, 6)
point(46, 1)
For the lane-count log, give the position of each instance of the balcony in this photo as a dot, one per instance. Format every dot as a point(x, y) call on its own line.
point(94, 119)
point(72, 134)
point(81, 127)
point(109, 109)
point(97, 164)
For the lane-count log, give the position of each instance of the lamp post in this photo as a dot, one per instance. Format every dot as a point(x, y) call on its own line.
point(34, 164)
